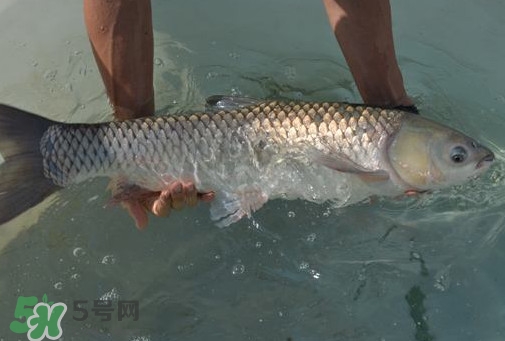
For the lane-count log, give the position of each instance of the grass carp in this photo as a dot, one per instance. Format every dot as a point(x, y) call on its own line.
point(247, 153)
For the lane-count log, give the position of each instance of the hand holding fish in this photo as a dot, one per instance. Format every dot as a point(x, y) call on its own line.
point(139, 202)
point(124, 57)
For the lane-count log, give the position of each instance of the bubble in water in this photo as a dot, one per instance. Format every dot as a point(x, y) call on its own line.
point(254, 224)
point(315, 274)
point(184, 267)
point(50, 75)
point(415, 256)
point(75, 276)
point(238, 269)
point(78, 252)
point(311, 237)
point(443, 279)
point(303, 266)
point(291, 214)
point(109, 259)
point(68, 87)
point(140, 338)
point(158, 62)
point(440, 285)
point(290, 72)
point(58, 285)
point(111, 295)
point(298, 95)
point(83, 70)
point(234, 55)
point(211, 74)
point(258, 244)
point(93, 198)
point(236, 92)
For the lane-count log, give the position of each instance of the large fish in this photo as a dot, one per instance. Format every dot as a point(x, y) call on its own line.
point(247, 155)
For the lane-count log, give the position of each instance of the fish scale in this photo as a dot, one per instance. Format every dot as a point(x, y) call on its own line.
point(121, 147)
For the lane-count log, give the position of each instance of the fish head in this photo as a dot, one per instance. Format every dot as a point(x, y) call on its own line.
point(426, 155)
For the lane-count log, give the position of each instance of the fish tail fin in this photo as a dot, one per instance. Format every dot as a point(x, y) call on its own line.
point(22, 181)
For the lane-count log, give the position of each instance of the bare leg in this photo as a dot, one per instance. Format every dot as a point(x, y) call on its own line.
point(121, 36)
point(363, 30)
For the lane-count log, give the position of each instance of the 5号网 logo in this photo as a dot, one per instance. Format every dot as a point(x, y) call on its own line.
point(43, 319)
point(104, 309)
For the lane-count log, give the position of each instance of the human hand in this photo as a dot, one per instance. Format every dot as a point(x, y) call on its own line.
point(139, 202)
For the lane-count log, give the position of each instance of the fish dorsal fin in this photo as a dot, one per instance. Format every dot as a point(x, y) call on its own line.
point(344, 164)
point(222, 102)
point(228, 208)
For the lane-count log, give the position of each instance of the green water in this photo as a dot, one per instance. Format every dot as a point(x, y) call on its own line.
point(411, 269)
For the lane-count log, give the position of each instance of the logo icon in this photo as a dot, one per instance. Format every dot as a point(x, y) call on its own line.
point(43, 319)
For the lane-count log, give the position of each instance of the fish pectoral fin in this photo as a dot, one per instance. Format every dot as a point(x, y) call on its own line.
point(222, 102)
point(228, 208)
point(342, 163)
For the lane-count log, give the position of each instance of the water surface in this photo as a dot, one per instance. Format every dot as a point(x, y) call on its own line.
point(410, 269)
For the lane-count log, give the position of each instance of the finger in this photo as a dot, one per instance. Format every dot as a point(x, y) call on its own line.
point(190, 194)
point(177, 195)
point(161, 205)
point(137, 212)
point(207, 196)
point(158, 203)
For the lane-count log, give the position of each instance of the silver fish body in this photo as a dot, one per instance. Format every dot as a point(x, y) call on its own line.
point(247, 155)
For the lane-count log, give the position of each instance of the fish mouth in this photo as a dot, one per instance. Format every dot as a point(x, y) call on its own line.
point(485, 161)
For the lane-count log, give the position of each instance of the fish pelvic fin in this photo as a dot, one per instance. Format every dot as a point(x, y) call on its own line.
point(22, 181)
point(228, 208)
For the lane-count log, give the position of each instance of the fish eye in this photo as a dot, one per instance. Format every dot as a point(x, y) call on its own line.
point(458, 154)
